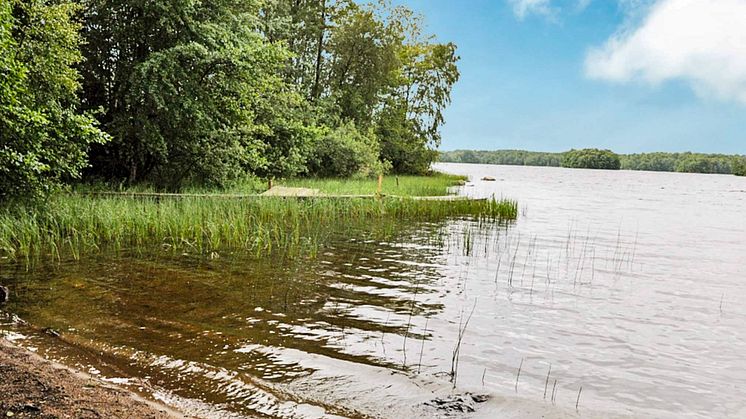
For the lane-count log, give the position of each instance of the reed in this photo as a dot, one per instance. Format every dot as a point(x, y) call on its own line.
point(76, 225)
point(457, 350)
point(554, 391)
point(518, 375)
point(436, 184)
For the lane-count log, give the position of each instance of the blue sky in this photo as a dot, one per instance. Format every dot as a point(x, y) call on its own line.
point(550, 75)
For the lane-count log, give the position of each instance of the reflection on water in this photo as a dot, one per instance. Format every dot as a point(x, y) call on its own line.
point(627, 284)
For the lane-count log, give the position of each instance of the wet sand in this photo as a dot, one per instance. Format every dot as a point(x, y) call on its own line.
point(32, 387)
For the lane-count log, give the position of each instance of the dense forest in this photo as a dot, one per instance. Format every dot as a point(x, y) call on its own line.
point(183, 92)
point(662, 162)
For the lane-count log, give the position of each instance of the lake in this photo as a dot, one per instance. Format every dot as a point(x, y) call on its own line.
point(627, 285)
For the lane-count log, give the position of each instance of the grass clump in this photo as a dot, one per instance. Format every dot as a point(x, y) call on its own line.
point(76, 224)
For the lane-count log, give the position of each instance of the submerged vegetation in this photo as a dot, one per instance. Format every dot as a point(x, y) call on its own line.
point(659, 162)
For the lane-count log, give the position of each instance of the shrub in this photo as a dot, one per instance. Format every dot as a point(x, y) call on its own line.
point(344, 152)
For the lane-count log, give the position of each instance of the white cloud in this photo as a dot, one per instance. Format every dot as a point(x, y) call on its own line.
point(702, 42)
point(547, 8)
point(523, 8)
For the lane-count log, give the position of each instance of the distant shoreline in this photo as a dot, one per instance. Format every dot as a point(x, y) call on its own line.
point(685, 162)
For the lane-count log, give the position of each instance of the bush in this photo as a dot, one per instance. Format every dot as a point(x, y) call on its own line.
point(344, 152)
point(591, 158)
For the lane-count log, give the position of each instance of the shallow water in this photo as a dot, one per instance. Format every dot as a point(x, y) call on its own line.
point(628, 284)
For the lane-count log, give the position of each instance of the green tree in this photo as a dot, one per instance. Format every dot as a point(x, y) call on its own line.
point(739, 166)
point(369, 64)
point(193, 92)
point(363, 63)
point(591, 158)
point(44, 139)
point(412, 115)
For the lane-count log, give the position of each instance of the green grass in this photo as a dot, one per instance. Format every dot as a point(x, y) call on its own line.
point(75, 225)
point(436, 184)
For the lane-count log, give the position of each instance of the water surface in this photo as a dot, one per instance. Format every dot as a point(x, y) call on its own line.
point(627, 284)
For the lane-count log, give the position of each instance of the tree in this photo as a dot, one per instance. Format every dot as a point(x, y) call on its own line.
point(739, 166)
point(363, 63)
point(44, 139)
point(192, 92)
point(412, 109)
point(591, 158)
point(369, 64)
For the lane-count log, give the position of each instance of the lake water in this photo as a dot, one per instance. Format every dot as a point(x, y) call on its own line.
point(629, 285)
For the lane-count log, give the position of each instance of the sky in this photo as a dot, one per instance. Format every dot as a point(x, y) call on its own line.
point(628, 75)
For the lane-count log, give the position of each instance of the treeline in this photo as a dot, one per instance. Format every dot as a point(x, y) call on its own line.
point(504, 157)
point(176, 92)
point(662, 162)
point(682, 162)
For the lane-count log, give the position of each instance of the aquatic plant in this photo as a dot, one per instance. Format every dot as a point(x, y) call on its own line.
point(75, 224)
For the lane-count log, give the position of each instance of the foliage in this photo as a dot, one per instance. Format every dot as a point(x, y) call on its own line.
point(739, 166)
point(679, 162)
point(370, 64)
point(193, 95)
point(412, 113)
point(661, 162)
point(43, 136)
point(345, 152)
point(204, 94)
point(504, 157)
point(591, 158)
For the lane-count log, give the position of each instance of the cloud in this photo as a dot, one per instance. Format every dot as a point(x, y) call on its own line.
point(523, 8)
point(702, 42)
point(547, 8)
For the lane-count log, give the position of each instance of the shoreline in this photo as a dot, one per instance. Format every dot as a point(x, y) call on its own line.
point(33, 386)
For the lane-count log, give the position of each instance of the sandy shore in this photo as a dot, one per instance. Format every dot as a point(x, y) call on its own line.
point(32, 387)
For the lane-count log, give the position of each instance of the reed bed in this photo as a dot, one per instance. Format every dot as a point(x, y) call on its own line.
point(75, 225)
point(435, 184)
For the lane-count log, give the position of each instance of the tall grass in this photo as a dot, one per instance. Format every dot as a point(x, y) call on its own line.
point(75, 225)
point(436, 184)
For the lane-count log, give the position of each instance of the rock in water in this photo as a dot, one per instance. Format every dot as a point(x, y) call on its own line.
point(489, 179)
point(4, 294)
